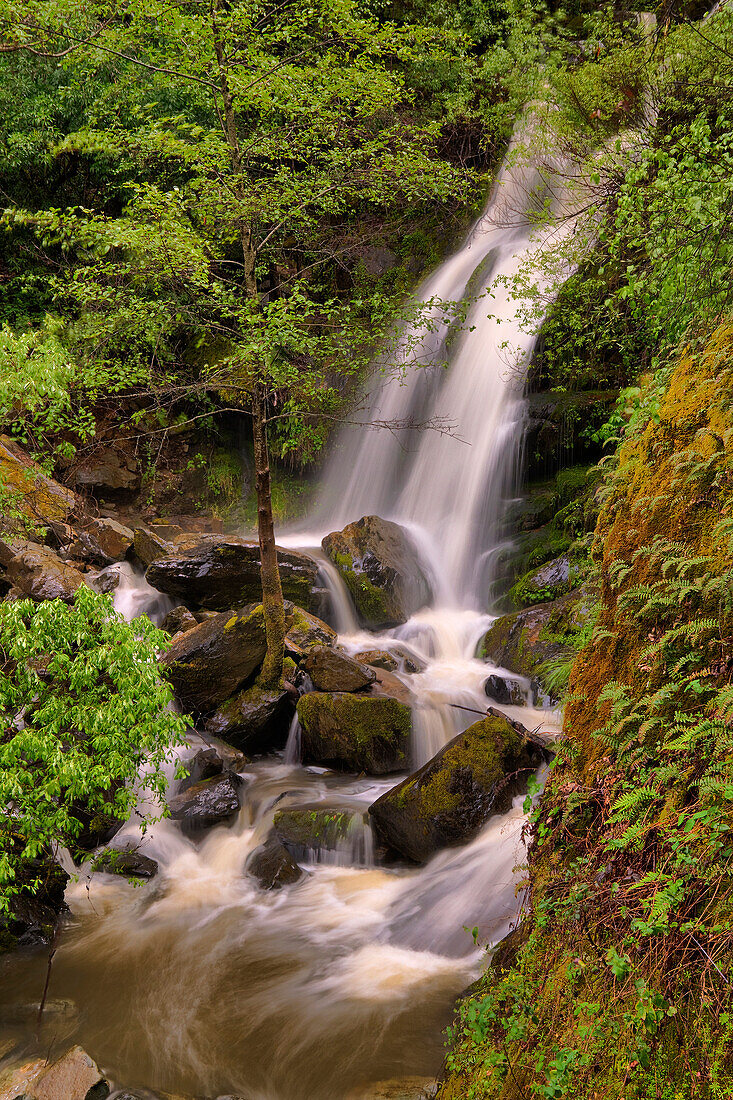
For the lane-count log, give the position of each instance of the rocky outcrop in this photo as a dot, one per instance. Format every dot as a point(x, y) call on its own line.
point(108, 468)
point(40, 574)
point(448, 800)
point(333, 670)
point(38, 497)
point(272, 865)
point(72, 1076)
point(218, 572)
point(206, 803)
point(381, 568)
point(209, 663)
point(368, 733)
point(256, 718)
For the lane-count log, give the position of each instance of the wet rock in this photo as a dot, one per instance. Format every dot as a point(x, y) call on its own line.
point(557, 427)
point(306, 631)
point(378, 658)
point(550, 581)
point(272, 865)
point(149, 545)
point(108, 468)
point(534, 509)
point(73, 1076)
point(217, 573)
point(313, 828)
point(34, 914)
point(447, 801)
point(40, 574)
point(98, 828)
point(381, 568)
point(179, 620)
point(204, 764)
point(114, 539)
point(524, 640)
point(232, 759)
point(368, 733)
point(206, 803)
point(332, 670)
point(504, 690)
point(39, 497)
point(255, 718)
point(397, 1088)
point(387, 684)
point(125, 861)
point(207, 664)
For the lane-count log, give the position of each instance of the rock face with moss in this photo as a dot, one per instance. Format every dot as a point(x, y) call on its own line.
point(208, 664)
point(256, 718)
point(381, 568)
point(217, 573)
point(361, 733)
point(448, 800)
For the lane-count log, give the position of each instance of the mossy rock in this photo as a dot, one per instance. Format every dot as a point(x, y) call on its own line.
point(447, 801)
point(34, 495)
point(306, 631)
point(550, 581)
point(361, 733)
point(523, 640)
point(310, 829)
point(256, 718)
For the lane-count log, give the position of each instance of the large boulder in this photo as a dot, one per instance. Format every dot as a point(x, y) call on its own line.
point(218, 572)
point(368, 733)
point(272, 865)
point(207, 664)
point(38, 497)
point(332, 670)
point(448, 800)
point(206, 803)
point(255, 718)
point(381, 568)
point(113, 538)
point(179, 620)
point(39, 573)
point(72, 1076)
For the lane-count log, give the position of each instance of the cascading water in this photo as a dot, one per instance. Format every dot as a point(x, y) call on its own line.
point(201, 982)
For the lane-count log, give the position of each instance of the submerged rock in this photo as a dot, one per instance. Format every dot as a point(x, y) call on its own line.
point(447, 801)
point(73, 1076)
point(381, 568)
point(217, 572)
point(369, 733)
point(206, 803)
point(332, 670)
point(255, 718)
point(272, 865)
point(40, 574)
point(207, 664)
point(125, 861)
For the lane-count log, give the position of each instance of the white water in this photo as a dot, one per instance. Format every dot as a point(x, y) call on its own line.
point(199, 981)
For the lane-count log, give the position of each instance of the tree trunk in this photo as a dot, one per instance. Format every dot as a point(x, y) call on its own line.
point(272, 593)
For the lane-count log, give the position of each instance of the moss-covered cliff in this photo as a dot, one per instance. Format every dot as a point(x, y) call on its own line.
point(622, 985)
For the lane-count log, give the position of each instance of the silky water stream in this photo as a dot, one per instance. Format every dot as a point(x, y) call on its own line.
point(200, 983)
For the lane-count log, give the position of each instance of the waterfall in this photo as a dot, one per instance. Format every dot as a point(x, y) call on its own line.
point(451, 489)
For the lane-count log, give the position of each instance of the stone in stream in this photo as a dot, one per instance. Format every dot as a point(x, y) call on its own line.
point(217, 572)
point(447, 801)
point(304, 830)
point(72, 1076)
point(179, 620)
point(378, 658)
point(272, 865)
point(206, 803)
point(256, 718)
point(361, 733)
point(127, 862)
point(307, 631)
point(332, 670)
point(149, 545)
point(207, 664)
point(504, 690)
point(380, 566)
point(40, 574)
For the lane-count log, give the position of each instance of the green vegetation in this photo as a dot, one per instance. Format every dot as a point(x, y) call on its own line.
point(84, 712)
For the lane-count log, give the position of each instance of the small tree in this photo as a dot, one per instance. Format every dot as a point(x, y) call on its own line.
point(257, 131)
point(83, 710)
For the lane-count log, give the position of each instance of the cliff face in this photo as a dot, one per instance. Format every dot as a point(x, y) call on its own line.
point(618, 984)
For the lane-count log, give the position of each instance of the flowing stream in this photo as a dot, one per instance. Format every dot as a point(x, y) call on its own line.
point(199, 983)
